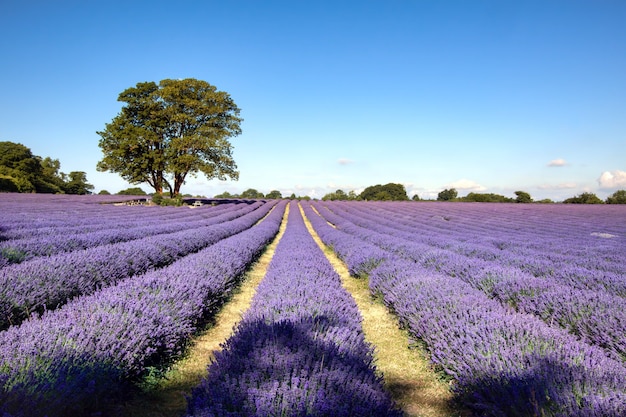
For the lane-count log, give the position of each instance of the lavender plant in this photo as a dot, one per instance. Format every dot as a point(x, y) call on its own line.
point(503, 363)
point(299, 350)
point(81, 358)
point(595, 316)
point(98, 230)
point(46, 283)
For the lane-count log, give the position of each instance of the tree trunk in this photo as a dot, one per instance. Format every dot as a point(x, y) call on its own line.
point(157, 182)
point(179, 179)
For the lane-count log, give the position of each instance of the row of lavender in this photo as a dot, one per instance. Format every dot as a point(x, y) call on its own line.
point(582, 241)
point(24, 214)
point(88, 228)
point(504, 363)
point(592, 311)
point(299, 350)
point(45, 283)
point(81, 358)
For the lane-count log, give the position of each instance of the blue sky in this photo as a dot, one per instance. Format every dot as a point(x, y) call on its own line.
point(482, 96)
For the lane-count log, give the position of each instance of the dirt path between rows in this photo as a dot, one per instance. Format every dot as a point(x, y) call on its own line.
point(407, 373)
point(168, 397)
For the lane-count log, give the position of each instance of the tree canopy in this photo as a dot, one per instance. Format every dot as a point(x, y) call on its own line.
point(618, 197)
point(486, 198)
point(339, 195)
point(523, 197)
point(23, 172)
point(170, 130)
point(132, 191)
point(391, 191)
point(274, 194)
point(584, 198)
point(252, 193)
point(447, 195)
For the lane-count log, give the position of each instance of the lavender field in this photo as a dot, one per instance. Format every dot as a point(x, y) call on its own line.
point(521, 306)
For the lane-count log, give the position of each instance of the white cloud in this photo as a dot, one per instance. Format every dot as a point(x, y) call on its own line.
point(612, 179)
point(345, 161)
point(466, 185)
point(557, 163)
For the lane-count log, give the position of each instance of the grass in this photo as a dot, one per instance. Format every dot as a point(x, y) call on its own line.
point(166, 396)
point(408, 374)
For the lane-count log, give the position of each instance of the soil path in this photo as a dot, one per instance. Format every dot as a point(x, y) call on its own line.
point(167, 398)
point(407, 373)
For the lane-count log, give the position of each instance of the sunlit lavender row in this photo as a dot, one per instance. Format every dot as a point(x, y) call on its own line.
point(576, 244)
point(48, 282)
point(503, 362)
point(79, 359)
point(299, 350)
point(99, 228)
point(596, 315)
point(30, 212)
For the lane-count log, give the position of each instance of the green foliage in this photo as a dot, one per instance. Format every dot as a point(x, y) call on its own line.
point(415, 198)
point(226, 194)
point(77, 183)
point(341, 195)
point(8, 184)
point(486, 198)
point(159, 199)
point(23, 172)
point(13, 255)
point(584, 198)
point(168, 131)
point(274, 194)
point(132, 191)
point(51, 170)
point(523, 197)
point(252, 193)
point(618, 197)
point(104, 192)
point(391, 191)
point(447, 195)
point(293, 196)
point(12, 180)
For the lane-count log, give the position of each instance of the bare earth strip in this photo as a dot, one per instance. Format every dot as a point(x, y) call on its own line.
point(407, 373)
point(168, 397)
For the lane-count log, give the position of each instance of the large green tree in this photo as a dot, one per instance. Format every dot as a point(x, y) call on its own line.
point(448, 194)
point(523, 197)
point(274, 194)
point(380, 192)
point(78, 184)
point(252, 193)
point(168, 131)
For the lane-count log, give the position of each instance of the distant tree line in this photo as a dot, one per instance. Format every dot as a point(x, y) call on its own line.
point(387, 192)
point(397, 192)
point(252, 193)
point(618, 197)
point(23, 172)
